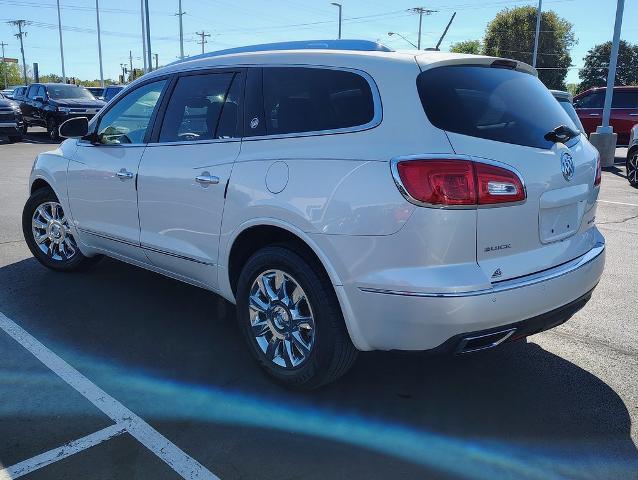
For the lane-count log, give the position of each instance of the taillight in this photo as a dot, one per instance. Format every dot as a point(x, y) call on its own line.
point(599, 173)
point(459, 182)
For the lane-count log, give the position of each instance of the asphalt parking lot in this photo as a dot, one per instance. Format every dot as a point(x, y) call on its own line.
point(122, 373)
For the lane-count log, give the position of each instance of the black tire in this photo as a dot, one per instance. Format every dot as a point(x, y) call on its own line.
point(52, 129)
point(15, 138)
point(76, 262)
point(632, 167)
point(332, 353)
point(25, 128)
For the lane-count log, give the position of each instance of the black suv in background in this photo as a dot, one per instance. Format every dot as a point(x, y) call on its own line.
point(10, 119)
point(50, 104)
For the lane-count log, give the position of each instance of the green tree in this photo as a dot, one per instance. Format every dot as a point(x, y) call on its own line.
point(14, 75)
point(51, 78)
point(594, 72)
point(511, 35)
point(467, 46)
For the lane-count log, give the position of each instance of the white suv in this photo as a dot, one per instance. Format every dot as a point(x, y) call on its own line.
point(344, 196)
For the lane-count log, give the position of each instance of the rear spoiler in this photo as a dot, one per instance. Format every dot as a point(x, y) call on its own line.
point(427, 60)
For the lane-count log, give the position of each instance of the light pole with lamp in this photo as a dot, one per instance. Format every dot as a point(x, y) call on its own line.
point(399, 35)
point(340, 7)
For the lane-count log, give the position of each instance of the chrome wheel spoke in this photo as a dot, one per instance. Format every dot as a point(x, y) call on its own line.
point(39, 239)
point(39, 224)
point(52, 233)
point(281, 319)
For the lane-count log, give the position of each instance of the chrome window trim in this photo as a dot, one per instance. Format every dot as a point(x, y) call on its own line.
point(507, 285)
point(194, 142)
point(448, 156)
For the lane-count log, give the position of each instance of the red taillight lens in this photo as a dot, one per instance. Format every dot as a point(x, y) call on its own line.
point(599, 173)
point(459, 182)
point(439, 182)
point(497, 185)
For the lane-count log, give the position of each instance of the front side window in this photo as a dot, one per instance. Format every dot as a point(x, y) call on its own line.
point(593, 100)
point(203, 107)
point(491, 103)
point(129, 118)
point(59, 92)
point(41, 93)
point(298, 99)
point(33, 90)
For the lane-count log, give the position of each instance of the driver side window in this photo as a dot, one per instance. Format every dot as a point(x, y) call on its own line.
point(128, 120)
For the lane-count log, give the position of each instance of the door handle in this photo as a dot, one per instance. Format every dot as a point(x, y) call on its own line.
point(633, 114)
point(123, 174)
point(206, 179)
point(594, 114)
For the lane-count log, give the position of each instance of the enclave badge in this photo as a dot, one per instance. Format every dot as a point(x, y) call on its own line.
point(567, 166)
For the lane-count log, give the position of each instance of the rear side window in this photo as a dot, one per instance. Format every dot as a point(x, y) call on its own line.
point(203, 107)
point(298, 99)
point(33, 89)
point(492, 103)
point(625, 99)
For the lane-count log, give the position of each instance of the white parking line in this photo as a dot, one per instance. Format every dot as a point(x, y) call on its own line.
point(619, 203)
point(71, 448)
point(170, 453)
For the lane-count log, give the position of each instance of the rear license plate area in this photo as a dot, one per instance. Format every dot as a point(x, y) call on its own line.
point(558, 223)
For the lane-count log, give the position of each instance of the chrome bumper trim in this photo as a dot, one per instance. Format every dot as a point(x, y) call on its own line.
point(8, 125)
point(506, 285)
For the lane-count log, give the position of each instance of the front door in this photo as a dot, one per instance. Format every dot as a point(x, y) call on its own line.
point(102, 175)
point(184, 172)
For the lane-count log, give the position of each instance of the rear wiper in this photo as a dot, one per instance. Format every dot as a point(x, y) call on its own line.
point(561, 134)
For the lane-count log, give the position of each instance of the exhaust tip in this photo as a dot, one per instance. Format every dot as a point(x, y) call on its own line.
point(484, 342)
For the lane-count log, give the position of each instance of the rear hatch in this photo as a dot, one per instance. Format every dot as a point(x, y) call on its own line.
point(501, 113)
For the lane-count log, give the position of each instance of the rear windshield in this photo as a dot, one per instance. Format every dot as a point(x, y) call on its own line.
point(492, 103)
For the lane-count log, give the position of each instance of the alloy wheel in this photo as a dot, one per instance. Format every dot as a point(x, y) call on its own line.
point(52, 233)
point(281, 319)
point(632, 169)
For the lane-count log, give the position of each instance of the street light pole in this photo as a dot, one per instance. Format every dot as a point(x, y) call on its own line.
point(99, 42)
point(340, 7)
point(61, 47)
point(539, 13)
point(143, 36)
point(398, 34)
point(148, 36)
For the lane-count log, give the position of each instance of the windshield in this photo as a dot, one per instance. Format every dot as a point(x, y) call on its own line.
point(492, 103)
point(57, 92)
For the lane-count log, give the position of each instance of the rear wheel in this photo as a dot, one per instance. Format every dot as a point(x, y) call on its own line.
point(48, 234)
point(25, 128)
point(15, 138)
point(632, 168)
point(291, 318)
point(52, 129)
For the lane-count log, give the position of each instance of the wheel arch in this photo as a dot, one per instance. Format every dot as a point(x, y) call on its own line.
point(38, 184)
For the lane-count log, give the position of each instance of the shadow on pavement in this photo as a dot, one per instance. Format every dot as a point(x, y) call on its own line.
point(173, 354)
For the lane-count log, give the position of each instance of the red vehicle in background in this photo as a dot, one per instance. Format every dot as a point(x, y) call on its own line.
point(624, 110)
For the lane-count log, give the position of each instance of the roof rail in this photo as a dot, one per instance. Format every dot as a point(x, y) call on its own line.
point(355, 45)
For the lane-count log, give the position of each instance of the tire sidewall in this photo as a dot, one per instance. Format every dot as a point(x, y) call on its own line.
point(631, 155)
point(52, 129)
point(289, 262)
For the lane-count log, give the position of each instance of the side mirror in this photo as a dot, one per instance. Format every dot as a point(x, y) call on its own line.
point(75, 128)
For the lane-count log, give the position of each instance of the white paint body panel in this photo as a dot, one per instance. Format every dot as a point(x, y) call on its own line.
point(335, 192)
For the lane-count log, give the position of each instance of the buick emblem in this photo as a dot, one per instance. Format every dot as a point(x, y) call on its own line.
point(567, 166)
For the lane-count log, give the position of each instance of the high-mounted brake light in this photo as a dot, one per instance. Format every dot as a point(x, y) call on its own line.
point(454, 182)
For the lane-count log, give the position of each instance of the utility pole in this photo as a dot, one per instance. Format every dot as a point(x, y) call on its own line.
point(181, 31)
point(156, 61)
point(4, 63)
point(143, 36)
point(203, 40)
point(130, 59)
point(61, 47)
point(539, 12)
point(123, 67)
point(21, 35)
point(421, 11)
point(99, 42)
point(340, 7)
point(148, 35)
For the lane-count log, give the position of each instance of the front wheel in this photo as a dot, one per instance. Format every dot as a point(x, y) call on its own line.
point(46, 230)
point(632, 168)
point(52, 129)
point(291, 318)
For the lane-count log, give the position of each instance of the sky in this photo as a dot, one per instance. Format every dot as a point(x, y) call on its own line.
point(245, 22)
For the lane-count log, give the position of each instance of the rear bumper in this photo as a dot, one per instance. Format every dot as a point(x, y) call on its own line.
point(404, 320)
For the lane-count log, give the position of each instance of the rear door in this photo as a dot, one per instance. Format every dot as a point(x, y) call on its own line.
point(501, 116)
point(624, 113)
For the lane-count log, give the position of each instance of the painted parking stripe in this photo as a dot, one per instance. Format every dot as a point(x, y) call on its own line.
point(619, 203)
point(170, 453)
point(66, 450)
